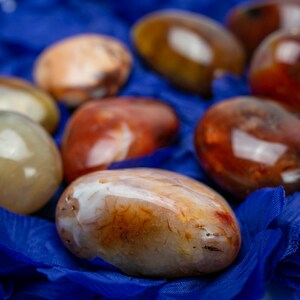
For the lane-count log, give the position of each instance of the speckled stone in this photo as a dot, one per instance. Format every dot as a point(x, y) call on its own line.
point(253, 21)
point(20, 96)
point(83, 67)
point(148, 222)
point(103, 132)
point(30, 164)
point(188, 49)
point(247, 143)
point(275, 69)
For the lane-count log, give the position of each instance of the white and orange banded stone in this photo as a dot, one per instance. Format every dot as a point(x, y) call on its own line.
point(148, 222)
point(83, 67)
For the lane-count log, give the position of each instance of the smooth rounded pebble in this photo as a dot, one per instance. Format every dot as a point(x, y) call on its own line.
point(148, 222)
point(30, 164)
point(83, 67)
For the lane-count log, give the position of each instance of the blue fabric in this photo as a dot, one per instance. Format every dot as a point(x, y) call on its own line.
point(33, 262)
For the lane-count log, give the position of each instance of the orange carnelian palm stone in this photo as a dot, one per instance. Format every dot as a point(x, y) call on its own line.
point(253, 21)
point(275, 70)
point(103, 132)
point(245, 144)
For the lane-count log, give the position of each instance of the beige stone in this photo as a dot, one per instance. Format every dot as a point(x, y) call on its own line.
point(30, 164)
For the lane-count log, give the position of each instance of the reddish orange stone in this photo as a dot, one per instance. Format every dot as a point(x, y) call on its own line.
point(245, 144)
point(275, 70)
point(100, 133)
point(253, 21)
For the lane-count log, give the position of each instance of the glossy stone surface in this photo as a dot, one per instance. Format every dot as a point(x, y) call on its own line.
point(20, 96)
point(83, 67)
point(253, 21)
point(275, 69)
point(188, 49)
point(100, 133)
point(148, 222)
point(246, 143)
point(30, 165)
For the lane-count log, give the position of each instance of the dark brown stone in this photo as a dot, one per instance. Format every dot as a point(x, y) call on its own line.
point(188, 49)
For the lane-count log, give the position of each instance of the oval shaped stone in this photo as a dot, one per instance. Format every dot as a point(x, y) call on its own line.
point(30, 164)
point(100, 133)
point(275, 69)
point(83, 67)
point(252, 22)
point(148, 222)
point(247, 143)
point(188, 49)
point(20, 96)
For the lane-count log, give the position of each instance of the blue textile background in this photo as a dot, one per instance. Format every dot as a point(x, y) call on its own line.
point(33, 262)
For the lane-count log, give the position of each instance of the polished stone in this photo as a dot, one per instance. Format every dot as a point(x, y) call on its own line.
point(247, 143)
point(83, 67)
point(252, 22)
point(188, 49)
point(20, 96)
point(103, 132)
point(148, 222)
point(30, 164)
point(275, 69)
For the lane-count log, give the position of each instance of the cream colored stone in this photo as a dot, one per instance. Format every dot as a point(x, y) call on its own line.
point(20, 96)
point(30, 164)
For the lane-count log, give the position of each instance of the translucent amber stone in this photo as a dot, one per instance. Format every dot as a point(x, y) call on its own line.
point(100, 133)
point(20, 96)
point(275, 69)
point(148, 222)
point(253, 21)
point(83, 67)
point(30, 164)
point(246, 143)
point(188, 49)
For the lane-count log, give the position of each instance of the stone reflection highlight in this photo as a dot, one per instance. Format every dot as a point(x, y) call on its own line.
point(189, 44)
point(247, 143)
point(249, 147)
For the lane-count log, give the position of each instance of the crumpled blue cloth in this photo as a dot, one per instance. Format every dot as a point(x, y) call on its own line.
point(33, 262)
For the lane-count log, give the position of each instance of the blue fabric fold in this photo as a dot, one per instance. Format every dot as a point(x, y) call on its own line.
point(34, 264)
